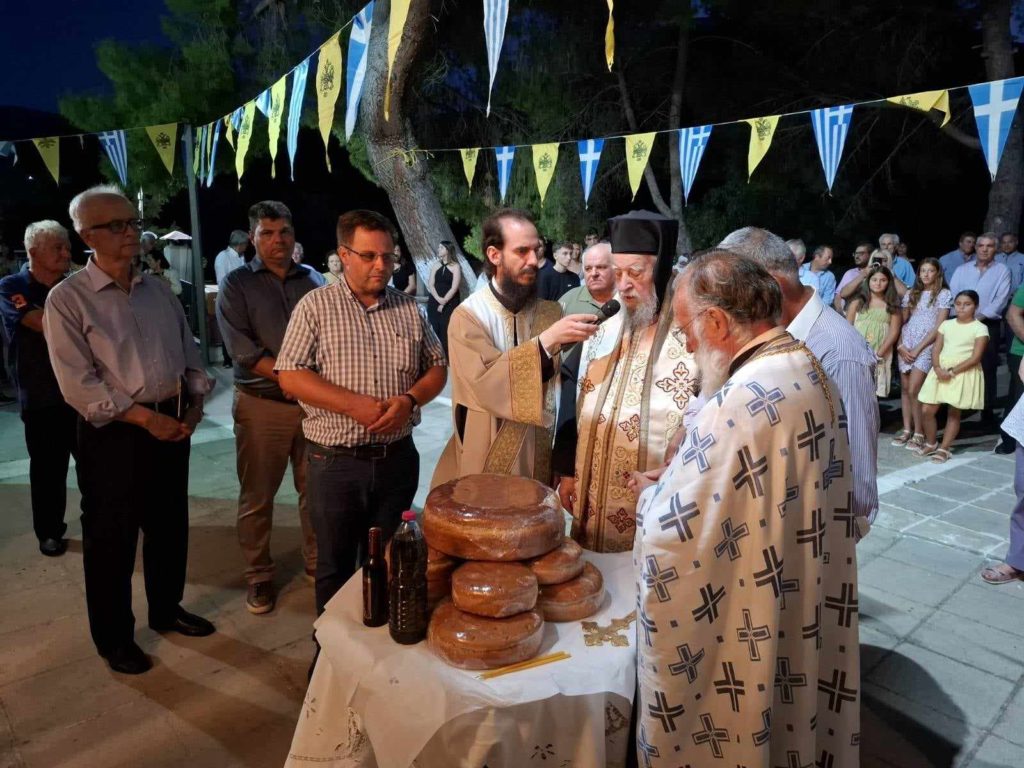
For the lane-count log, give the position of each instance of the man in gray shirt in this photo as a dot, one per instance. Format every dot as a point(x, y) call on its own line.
point(125, 359)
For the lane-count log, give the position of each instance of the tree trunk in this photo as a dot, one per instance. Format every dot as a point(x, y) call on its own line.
point(1006, 196)
point(404, 176)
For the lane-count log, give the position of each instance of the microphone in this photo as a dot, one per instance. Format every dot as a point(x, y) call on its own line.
point(607, 311)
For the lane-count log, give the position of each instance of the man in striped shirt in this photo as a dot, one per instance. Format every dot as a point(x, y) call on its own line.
point(361, 360)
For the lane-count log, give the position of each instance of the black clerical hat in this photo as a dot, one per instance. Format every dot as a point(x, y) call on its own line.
point(649, 233)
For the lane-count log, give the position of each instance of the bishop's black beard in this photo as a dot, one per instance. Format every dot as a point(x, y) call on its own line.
point(516, 296)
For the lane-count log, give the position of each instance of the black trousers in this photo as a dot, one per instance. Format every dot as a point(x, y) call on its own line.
point(990, 363)
point(349, 495)
point(1016, 390)
point(51, 441)
point(131, 481)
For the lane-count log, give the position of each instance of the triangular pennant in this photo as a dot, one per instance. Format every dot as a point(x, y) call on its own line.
point(198, 148)
point(295, 110)
point(207, 151)
point(609, 36)
point(638, 152)
point(762, 129)
point(545, 158)
point(7, 149)
point(277, 97)
point(263, 103)
point(495, 17)
point(213, 152)
point(396, 26)
point(590, 158)
point(469, 158)
point(831, 124)
point(504, 156)
point(925, 101)
point(244, 136)
point(163, 138)
point(994, 106)
point(328, 86)
point(49, 148)
point(358, 44)
point(113, 143)
point(229, 131)
point(692, 142)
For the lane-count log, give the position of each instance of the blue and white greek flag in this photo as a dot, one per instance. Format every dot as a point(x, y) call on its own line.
point(831, 124)
point(199, 161)
point(263, 103)
point(114, 144)
point(236, 118)
point(295, 110)
point(7, 149)
point(495, 16)
point(692, 142)
point(355, 71)
point(213, 151)
point(504, 156)
point(590, 158)
point(994, 106)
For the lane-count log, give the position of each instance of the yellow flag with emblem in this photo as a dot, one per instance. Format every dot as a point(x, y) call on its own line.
point(164, 139)
point(396, 25)
point(545, 158)
point(229, 130)
point(49, 148)
point(277, 94)
point(762, 129)
point(638, 152)
point(244, 136)
point(469, 158)
point(329, 79)
point(609, 36)
point(925, 101)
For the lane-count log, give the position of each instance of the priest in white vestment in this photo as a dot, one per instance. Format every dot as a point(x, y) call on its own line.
point(747, 616)
point(503, 348)
point(631, 402)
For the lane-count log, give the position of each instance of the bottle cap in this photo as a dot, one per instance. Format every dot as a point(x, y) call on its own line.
point(408, 515)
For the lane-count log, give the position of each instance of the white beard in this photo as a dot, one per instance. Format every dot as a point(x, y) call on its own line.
point(713, 365)
point(640, 319)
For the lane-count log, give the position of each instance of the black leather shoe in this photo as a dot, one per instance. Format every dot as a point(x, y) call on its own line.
point(129, 660)
point(1004, 449)
point(185, 623)
point(53, 547)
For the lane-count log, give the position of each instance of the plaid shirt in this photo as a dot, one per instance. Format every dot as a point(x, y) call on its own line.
point(381, 351)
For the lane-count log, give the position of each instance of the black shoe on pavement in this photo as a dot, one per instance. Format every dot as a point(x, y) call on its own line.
point(53, 547)
point(129, 660)
point(185, 623)
point(1003, 448)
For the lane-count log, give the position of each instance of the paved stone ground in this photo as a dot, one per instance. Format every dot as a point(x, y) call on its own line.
point(943, 653)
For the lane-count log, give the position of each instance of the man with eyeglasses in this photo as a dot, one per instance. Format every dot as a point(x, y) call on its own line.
point(254, 305)
point(856, 273)
point(362, 361)
point(125, 359)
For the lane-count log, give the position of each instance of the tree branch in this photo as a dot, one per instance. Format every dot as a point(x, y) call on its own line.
point(652, 183)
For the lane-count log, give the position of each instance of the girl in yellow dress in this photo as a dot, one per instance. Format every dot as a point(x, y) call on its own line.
point(875, 312)
point(955, 378)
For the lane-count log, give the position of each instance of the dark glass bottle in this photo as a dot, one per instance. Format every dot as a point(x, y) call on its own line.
point(375, 582)
point(408, 585)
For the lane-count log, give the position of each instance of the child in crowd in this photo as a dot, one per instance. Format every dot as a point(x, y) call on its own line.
point(925, 307)
point(875, 313)
point(956, 378)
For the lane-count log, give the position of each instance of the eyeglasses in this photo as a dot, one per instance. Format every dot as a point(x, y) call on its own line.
point(118, 226)
point(368, 257)
point(686, 328)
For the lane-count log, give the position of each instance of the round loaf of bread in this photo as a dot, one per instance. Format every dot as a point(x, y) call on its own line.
point(493, 517)
point(558, 565)
point(575, 599)
point(494, 589)
point(439, 565)
point(476, 642)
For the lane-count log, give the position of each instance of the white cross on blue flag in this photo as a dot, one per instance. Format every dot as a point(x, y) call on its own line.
point(114, 144)
point(495, 17)
point(355, 72)
point(831, 124)
point(590, 158)
point(295, 110)
point(213, 151)
point(263, 102)
point(692, 142)
point(994, 106)
point(504, 156)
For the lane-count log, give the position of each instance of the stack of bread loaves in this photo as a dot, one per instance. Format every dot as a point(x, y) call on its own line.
point(519, 570)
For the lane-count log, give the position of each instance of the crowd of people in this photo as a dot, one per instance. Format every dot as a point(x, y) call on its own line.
point(722, 426)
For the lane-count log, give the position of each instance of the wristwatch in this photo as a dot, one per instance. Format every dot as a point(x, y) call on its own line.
point(413, 400)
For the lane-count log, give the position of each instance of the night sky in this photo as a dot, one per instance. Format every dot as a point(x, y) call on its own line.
point(47, 48)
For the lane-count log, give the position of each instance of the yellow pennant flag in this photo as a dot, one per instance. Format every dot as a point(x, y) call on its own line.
point(609, 36)
point(164, 139)
point(638, 152)
point(229, 130)
point(545, 157)
point(49, 148)
point(925, 102)
point(329, 81)
point(396, 25)
point(762, 129)
point(197, 150)
point(209, 144)
point(469, 158)
point(244, 135)
point(277, 93)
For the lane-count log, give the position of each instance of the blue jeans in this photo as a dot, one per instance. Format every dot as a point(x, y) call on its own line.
point(347, 495)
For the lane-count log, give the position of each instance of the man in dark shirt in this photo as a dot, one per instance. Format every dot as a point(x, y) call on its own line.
point(551, 284)
point(49, 421)
point(253, 308)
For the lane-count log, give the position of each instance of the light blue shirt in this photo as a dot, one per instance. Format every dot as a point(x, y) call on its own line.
point(992, 285)
point(1015, 262)
point(952, 261)
point(824, 282)
point(904, 271)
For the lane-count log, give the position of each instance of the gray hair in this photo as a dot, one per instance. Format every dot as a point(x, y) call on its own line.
point(37, 230)
point(238, 237)
point(893, 235)
point(738, 286)
point(988, 236)
point(821, 249)
point(79, 201)
point(604, 245)
point(764, 247)
point(147, 235)
point(797, 246)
